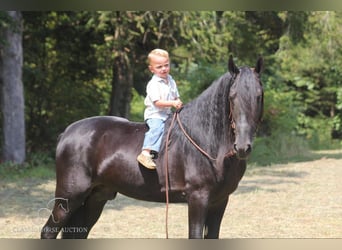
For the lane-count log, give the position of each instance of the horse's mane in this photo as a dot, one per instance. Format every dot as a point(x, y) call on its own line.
point(210, 110)
point(206, 118)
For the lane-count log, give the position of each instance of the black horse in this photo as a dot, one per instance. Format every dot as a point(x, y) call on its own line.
point(96, 159)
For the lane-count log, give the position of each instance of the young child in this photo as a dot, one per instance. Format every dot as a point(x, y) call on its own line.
point(162, 94)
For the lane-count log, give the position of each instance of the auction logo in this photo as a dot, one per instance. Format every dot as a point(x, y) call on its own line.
point(61, 203)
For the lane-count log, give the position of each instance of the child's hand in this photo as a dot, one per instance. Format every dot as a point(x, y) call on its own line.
point(177, 104)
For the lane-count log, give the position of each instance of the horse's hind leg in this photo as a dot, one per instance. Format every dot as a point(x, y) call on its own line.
point(58, 218)
point(72, 189)
point(213, 220)
point(85, 217)
point(64, 209)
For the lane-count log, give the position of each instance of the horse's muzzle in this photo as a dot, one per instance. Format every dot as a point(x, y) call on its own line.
point(242, 152)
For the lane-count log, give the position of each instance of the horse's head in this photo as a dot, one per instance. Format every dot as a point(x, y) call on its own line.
point(246, 105)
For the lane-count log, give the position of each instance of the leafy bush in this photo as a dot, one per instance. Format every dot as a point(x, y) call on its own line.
point(318, 132)
point(279, 148)
point(193, 80)
point(278, 138)
point(137, 107)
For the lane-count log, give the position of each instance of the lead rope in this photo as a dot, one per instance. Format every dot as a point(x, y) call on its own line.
point(193, 142)
point(166, 164)
point(228, 154)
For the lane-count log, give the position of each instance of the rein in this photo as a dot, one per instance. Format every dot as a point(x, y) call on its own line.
point(191, 140)
point(166, 164)
point(176, 117)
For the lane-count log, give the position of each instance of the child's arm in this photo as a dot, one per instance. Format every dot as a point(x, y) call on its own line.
point(168, 104)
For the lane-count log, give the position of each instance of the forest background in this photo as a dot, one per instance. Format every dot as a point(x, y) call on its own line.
point(66, 66)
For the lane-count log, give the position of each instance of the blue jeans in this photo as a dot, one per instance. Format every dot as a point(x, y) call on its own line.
point(153, 136)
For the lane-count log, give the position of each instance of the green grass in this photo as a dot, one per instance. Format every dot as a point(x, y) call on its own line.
point(37, 166)
point(281, 148)
point(285, 148)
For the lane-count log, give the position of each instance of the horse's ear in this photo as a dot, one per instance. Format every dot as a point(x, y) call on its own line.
point(232, 67)
point(259, 65)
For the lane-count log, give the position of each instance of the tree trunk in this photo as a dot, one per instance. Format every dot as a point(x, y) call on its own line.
point(12, 96)
point(122, 84)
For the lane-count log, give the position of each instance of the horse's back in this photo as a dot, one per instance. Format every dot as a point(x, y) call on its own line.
point(90, 140)
point(98, 125)
point(94, 123)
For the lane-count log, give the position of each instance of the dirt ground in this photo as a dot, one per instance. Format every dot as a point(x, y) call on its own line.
point(294, 200)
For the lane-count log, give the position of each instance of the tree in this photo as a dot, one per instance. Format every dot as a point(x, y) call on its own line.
point(60, 73)
point(122, 79)
point(129, 36)
point(311, 67)
point(12, 98)
point(88, 63)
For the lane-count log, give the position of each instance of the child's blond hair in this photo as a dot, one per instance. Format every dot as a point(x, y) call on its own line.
point(157, 52)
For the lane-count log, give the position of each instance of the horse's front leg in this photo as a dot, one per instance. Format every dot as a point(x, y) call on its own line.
point(214, 219)
point(197, 212)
